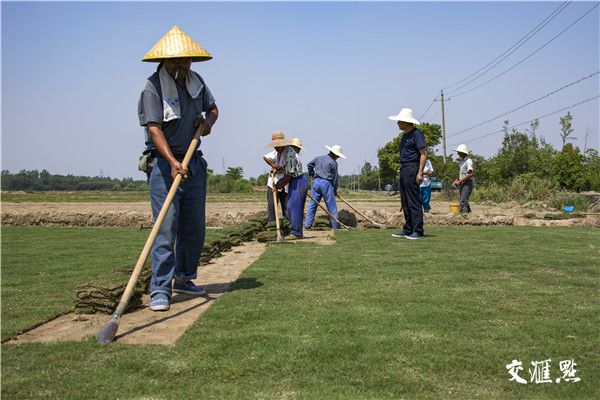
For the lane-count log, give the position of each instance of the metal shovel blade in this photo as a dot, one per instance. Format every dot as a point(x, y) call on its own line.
point(107, 334)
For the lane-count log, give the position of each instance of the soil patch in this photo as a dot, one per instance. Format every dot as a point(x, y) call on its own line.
point(230, 214)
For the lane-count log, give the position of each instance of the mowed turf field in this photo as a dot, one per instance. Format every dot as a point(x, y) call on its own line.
point(370, 317)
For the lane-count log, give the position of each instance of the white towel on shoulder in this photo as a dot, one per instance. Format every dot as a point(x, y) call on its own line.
point(171, 107)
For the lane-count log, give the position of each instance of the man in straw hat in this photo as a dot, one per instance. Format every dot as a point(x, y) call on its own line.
point(324, 169)
point(413, 154)
point(170, 109)
point(291, 166)
point(465, 177)
point(274, 159)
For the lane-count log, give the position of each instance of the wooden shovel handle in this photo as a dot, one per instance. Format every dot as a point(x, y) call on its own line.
point(274, 189)
point(358, 212)
point(328, 213)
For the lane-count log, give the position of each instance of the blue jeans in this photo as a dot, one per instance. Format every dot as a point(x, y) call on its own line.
point(177, 248)
point(425, 194)
point(296, 198)
point(322, 188)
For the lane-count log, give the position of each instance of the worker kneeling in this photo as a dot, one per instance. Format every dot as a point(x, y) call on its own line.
point(324, 169)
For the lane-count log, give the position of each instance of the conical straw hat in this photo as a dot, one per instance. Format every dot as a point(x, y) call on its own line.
point(176, 44)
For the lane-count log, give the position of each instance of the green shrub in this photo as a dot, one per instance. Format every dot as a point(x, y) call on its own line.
point(491, 192)
point(560, 199)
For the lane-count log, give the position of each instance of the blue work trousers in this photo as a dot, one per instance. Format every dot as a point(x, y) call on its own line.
point(296, 199)
point(177, 248)
point(322, 188)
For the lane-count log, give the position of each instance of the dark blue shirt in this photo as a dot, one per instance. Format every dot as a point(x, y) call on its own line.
point(410, 144)
point(324, 167)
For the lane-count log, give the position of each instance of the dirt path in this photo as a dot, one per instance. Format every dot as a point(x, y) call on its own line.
point(147, 327)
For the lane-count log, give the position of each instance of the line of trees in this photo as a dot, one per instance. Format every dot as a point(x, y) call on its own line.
point(34, 180)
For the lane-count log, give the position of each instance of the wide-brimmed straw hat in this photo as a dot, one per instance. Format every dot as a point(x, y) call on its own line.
point(406, 115)
point(278, 140)
point(176, 44)
point(296, 142)
point(336, 149)
point(462, 148)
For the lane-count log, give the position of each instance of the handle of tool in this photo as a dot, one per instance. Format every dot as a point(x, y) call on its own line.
point(156, 227)
point(358, 212)
point(274, 189)
point(328, 213)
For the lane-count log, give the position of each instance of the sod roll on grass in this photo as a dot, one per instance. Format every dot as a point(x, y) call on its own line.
point(103, 295)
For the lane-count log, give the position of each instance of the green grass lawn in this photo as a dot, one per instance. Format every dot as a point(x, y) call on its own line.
point(42, 266)
point(371, 317)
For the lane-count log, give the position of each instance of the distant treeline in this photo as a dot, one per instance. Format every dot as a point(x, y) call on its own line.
point(35, 180)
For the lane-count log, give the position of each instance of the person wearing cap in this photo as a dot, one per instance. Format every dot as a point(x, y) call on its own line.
point(465, 177)
point(413, 155)
point(274, 159)
point(298, 186)
point(170, 109)
point(324, 170)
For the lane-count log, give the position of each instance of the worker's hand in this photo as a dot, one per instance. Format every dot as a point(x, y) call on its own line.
point(204, 125)
point(419, 178)
point(177, 169)
point(456, 182)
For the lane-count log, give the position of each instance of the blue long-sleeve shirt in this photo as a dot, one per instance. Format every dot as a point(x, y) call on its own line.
point(324, 167)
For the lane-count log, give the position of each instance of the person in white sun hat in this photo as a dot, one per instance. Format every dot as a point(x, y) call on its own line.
point(170, 108)
point(465, 177)
point(324, 170)
point(413, 155)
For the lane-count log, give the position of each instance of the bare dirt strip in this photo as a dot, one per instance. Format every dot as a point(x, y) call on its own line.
point(144, 326)
point(229, 214)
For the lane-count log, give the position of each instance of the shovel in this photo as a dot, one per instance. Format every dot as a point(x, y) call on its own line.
point(328, 213)
point(279, 237)
point(108, 332)
point(361, 214)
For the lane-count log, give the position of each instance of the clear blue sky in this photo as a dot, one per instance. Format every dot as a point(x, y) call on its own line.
point(329, 73)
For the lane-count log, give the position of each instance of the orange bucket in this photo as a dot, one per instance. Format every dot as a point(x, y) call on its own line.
point(454, 208)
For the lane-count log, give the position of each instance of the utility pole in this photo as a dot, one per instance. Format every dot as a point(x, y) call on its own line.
point(443, 127)
point(588, 131)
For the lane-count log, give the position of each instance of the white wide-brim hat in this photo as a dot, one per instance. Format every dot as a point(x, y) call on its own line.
point(406, 115)
point(336, 149)
point(462, 148)
point(296, 142)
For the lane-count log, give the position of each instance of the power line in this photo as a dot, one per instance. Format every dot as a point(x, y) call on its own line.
point(426, 111)
point(525, 105)
point(531, 120)
point(530, 55)
point(524, 39)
